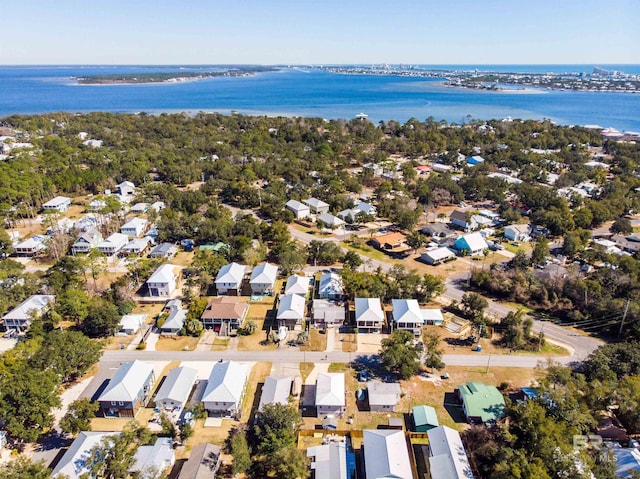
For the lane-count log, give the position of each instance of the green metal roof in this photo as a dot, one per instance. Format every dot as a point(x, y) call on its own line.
point(425, 415)
point(482, 401)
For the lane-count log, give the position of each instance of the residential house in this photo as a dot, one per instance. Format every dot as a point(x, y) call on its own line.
point(164, 280)
point(224, 314)
point(140, 208)
point(438, 230)
point(96, 205)
point(297, 285)
point(330, 398)
point(225, 389)
point(383, 396)
point(394, 241)
point(512, 180)
point(164, 250)
point(316, 206)
point(113, 244)
point(229, 279)
point(436, 256)
point(447, 457)
point(441, 168)
point(263, 279)
point(473, 243)
point(517, 232)
point(299, 210)
point(329, 461)
point(326, 313)
point(174, 321)
point(85, 224)
point(330, 286)
point(276, 390)
point(424, 418)
point(31, 246)
point(203, 462)
point(331, 222)
point(407, 315)
point(463, 220)
point(87, 241)
point(134, 228)
point(158, 206)
point(73, 464)
point(475, 160)
point(126, 188)
point(291, 310)
point(59, 204)
point(386, 454)
point(128, 390)
point(362, 208)
point(369, 315)
point(19, 318)
point(149, 461)
point(432, 317)
point(131, 324)
point(481, 403)
point(176, 388)
point(137, 246)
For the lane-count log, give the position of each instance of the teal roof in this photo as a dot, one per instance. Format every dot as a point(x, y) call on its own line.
point(425, 415)
point(217, 247)
point(482, 401)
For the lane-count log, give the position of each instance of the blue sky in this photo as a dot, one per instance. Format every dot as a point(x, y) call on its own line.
point(324, 31)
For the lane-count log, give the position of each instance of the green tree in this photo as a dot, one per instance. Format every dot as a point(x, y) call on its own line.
point(22, 468)
point(540, 251)
point(352, 260)
point(114, 455)
point(416, 241)
point(276, 428)
point(292, 259)
point(67, 353)
point(186, 431)
point(432, 351)
point(26, 400)
point(102, 320)
point(400, 355)
point(286, 463)
point(168, 427)
point(78, 417)
point(73, 305)
point(239, 449)
point(622, 226)
point(474, 305)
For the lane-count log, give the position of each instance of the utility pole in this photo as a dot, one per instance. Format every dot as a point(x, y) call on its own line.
point(488, 362)
point(540, 337)
point(624, 316)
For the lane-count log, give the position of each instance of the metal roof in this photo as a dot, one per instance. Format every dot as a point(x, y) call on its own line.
point(448, 459)
point(226, 382)
point(330, 389)
point(177, 385)
point(386, 454)
point(127, 382)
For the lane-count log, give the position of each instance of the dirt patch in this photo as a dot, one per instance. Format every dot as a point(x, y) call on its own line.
point(176, 343)
point(317, 341)
point(349, 342)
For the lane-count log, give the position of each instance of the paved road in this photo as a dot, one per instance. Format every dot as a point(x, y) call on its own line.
point(114, 358)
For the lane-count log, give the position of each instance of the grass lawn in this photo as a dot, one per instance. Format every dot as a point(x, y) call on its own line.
point(220, 344)
point(214, 435)
point(258, 340)
point(349, 343)
point(116, 342)
point(176, 343)
point(151, 310)
point(118, 423)
point(251, 400)
point(317, 341)
point(183, 258)
point(368, 251)
point(337, 368)
point(305, 370)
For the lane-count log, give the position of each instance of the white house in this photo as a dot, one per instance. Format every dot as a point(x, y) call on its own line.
point(432, 316)
point(158, 206)
point(87, 241)
point(297, 285)
point(126, 188)
point(137, 246)
point(164, 280)
point(113, 244)
point(128, 390)
point(329, 461)
point(447, 457)
point(472, 243)
point(517, 232)
point(327, 313)
point(330, 398)
point(225, 389)
point(386, 454)
point(369, 315)
point(263, 279)
point(31, 246)
point(229, 279)
point(407, 315)
point(298, 209)
point(176, 388)
point(139, 208)
point(175, 321)
point(59, 203)
point(330, 286)
point(383, 396)
point(164, 250)
point(291, 310)
point(436, 256)
point(152, 460)
point(134, 228)
point(276, 390)
point(19, 318)
point(96, 205)
point(316, 206)
point(131, 323)
point(73, 464)
point(331, 221)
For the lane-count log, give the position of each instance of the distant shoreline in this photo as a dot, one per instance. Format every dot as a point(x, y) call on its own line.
point(164, 77)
